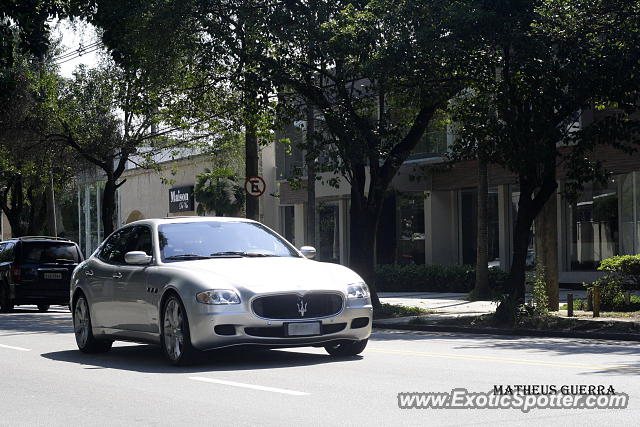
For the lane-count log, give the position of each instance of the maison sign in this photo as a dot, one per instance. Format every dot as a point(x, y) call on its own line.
point(181, 199)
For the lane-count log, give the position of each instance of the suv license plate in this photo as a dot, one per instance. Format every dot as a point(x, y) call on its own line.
point(303, 329)
point(53, 276)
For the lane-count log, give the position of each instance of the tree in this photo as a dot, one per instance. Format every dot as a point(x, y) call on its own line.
point(27, 161)
point(375, 72)
point(111, 116)
point(218, 191)
point(541, 64)
point(218, 40)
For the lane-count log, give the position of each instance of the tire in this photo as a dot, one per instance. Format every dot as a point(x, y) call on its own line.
point(87, 343)
point(346, 348)
point(43, 308)
point(175, 338)
point(6, 303)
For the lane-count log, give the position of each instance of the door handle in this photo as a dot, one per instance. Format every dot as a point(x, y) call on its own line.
point(117, 275)
point(88, 273)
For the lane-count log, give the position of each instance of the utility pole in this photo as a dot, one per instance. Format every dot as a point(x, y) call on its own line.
point(51, 206)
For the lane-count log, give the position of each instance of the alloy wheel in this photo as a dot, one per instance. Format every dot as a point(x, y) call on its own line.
point(81, 322)
point(172, 330)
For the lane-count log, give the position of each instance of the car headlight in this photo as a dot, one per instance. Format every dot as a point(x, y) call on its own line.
point(358, 290)
point(218, 297)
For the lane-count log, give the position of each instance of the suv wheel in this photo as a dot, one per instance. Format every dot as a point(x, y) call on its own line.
point(42, 308)
point(346, 348)
point(87, 343)
point(6, 303)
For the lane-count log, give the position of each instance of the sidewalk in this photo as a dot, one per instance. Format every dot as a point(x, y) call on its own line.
point(451, 305)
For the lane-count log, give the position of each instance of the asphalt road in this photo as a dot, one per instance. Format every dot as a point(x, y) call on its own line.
point(45, 380)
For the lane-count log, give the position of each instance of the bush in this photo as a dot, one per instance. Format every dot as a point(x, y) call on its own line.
point(540, 299)
point(624, 269)
point(612, 295)
point(432, 278)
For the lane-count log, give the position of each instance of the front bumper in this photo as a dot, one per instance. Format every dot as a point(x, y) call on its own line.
point(247, 328)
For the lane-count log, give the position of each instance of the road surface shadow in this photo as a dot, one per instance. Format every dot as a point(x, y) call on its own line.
point(32, 321)
point(148, 359)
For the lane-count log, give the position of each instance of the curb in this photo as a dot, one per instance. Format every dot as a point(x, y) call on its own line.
point(512, 332)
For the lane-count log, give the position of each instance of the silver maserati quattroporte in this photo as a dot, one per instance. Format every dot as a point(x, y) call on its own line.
point(197, 284)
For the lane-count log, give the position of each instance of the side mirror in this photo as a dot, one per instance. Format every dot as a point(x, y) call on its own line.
point(137, 258)
point(309, 252)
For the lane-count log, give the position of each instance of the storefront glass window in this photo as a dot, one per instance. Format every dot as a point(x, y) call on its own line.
point(411, 241)
point(328, 217)
point(89, 218)
point(593, 226)
point(469, 226)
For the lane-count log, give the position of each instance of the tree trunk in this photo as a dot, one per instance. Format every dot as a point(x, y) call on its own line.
point(547, 249)
point(520, 248)
point(481, 289)
point(37, 214)
point(311, 179)
point(108, 208)
point(14, 207)
point(251, 166)
point(362, 236)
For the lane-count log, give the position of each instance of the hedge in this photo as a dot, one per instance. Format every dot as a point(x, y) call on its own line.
point(432, 278)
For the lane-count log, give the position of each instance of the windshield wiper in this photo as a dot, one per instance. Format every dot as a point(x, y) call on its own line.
point(188, 256)
point(243, 254)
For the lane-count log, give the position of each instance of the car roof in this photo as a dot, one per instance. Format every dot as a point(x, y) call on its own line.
point(49, 239)
point(186, 219)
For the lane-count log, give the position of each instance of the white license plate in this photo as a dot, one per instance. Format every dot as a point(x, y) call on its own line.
point(303, 329)
point(53, 276)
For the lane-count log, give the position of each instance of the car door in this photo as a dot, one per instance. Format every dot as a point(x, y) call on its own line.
point(134, 299)
point(99, 273)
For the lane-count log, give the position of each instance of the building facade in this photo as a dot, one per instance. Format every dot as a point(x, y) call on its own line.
point(431, 210)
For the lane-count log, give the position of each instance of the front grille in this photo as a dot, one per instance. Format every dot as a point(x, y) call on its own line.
point(278, 331)
point(294, 306)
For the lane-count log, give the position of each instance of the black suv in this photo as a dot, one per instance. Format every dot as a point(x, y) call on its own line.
point(36, 270)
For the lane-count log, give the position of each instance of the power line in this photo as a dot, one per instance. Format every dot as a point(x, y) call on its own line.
point(77, 53)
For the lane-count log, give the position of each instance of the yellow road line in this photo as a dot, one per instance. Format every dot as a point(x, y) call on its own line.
point(505, 360)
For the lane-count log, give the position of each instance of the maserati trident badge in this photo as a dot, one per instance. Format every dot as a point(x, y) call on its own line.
point(302, 307)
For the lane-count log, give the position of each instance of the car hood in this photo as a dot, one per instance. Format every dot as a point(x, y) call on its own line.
point(270, 274)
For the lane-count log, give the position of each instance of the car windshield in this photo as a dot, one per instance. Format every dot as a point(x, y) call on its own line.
point(34, 253)
point(217, 239)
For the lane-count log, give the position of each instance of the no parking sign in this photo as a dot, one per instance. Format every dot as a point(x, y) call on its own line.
point(255, 186)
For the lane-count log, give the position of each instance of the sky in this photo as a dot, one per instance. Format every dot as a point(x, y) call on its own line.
point(73, 37)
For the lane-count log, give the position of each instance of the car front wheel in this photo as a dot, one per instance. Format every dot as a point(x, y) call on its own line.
point(175, 337)
point(87, 343)
point(346, 348)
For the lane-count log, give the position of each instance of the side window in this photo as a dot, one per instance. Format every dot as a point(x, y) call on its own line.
point(2, 250)
point(115, 247)
point(7, 252)
point(140, 240)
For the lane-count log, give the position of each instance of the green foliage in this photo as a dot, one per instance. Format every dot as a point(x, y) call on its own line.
point(612, 295)
point(622, 274)
point(542, 65)
point(622, 268)
point(392, 310)
point(218, 191)
point(432, 278)
point(540, 299)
